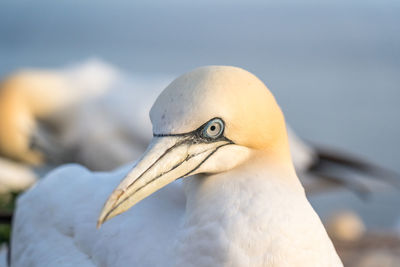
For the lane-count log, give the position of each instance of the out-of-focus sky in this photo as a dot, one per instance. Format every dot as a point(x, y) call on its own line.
point(334, 66)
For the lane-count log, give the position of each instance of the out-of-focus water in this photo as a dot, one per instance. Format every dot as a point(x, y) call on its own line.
point(334, 68)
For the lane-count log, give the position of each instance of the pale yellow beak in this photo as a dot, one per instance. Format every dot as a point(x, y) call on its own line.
point(166, 159)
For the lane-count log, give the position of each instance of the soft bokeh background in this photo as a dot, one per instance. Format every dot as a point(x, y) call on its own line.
point(334, 66)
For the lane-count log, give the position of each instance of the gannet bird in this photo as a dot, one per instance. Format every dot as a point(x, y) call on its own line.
point(32, 95)
point(241, 203)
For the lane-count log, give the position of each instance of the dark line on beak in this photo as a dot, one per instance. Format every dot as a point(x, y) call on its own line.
point(130, 185)
point(162, 155)
point(174, 167)
point(198, 166)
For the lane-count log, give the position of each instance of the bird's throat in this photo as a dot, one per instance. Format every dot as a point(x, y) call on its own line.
point(233, 211)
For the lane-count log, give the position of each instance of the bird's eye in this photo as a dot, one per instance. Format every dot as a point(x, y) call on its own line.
point(214, 128)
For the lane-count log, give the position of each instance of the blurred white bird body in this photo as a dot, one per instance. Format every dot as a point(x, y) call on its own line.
point(240, 205)
point(30, 95)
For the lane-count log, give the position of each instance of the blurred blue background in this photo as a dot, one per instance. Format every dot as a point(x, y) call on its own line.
point(334, 66)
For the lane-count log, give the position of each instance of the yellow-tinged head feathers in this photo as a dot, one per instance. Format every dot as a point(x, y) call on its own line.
point(252, 116)
point(245, 117)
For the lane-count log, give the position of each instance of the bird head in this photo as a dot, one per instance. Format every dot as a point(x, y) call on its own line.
point(209, 120)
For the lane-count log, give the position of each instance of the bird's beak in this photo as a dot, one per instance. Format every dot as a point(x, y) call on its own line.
point(166, 159)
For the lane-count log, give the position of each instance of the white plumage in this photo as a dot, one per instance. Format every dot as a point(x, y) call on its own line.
point(245, 208)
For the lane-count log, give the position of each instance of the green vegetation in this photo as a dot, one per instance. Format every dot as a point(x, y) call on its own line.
point(7, 204)
point(5, 231)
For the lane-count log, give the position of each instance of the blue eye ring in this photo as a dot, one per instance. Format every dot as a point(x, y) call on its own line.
point(214, 128)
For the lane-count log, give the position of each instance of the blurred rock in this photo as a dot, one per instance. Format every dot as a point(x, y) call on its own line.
point(345, 226)
point(370, 250)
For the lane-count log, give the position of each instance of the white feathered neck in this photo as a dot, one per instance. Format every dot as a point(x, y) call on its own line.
point(254, 215)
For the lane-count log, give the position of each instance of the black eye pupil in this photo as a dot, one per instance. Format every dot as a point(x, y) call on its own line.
point(213, 129)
